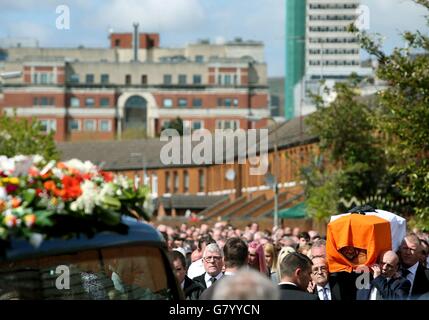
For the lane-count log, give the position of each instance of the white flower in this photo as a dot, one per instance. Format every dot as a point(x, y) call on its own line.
point(83, 167)
point(87, 200)
point(37, 159)
point(107, 190)
point(7, 165)
point(58, 173)
point(3, 193)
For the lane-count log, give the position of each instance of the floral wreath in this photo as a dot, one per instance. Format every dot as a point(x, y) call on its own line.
point(41, 199)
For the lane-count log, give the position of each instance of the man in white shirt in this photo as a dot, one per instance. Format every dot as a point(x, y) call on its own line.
point(320, 279)
point(197, 267)
point(412, 269)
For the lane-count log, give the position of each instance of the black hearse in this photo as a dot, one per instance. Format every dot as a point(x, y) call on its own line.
point(127, 265)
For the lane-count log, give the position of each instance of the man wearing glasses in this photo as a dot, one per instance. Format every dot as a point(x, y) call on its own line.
point(213, 264)
point(387, 283)
point(412, 269)
point(322, 284)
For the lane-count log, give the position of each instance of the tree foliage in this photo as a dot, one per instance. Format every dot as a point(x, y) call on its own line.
point(378, 148)
point(21, 136)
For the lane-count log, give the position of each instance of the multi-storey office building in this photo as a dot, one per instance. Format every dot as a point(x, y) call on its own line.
point(99, 93)
point(332, 53)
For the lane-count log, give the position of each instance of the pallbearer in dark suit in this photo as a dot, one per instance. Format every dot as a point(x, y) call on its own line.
point(387, 283)
point(295, 275)
point(325, 287)
point(412, 269)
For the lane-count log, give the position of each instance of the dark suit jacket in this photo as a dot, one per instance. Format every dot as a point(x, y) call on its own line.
point(200, 280)
point(421, 282)
point(335, 288)
point(393, 289)
point(291, 292)
point(192, 289)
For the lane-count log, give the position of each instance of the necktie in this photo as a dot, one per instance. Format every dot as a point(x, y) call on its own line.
point(405, 272)
point(325, 294)
point(213, 280)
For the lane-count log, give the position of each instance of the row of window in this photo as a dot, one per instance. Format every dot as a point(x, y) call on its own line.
point(75, 125)
point(182, 79)
point(199, 124)
point(172, 182)
point(89, 102)
point(334, 6)
point(332, 17)
point(334, 51)
point(50, 125)
point(43, 101)
point(43, 78)
point(333, 40)
point(334, 63)
point(197, 102)
point(328, 29)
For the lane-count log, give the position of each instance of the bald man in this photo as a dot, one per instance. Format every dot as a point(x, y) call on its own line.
point(387, 283)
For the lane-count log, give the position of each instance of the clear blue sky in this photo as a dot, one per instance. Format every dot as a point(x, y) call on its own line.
point(182, 21)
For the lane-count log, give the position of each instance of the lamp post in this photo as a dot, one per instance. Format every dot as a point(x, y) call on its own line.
point(272, 180)
point(144, 174)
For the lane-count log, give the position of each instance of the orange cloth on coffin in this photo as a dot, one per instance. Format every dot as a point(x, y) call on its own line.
point(370, 233)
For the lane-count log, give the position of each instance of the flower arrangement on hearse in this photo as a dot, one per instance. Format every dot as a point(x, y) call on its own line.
point(40, 198)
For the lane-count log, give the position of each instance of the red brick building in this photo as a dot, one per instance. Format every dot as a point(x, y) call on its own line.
point(135, 84)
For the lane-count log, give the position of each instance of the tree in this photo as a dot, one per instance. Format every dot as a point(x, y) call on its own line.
point(21, 136)
point(403, 114)
point(379, 147)
point(176, 124)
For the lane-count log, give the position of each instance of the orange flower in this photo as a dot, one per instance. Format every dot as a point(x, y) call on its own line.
point(108, 176)
point(71, 187)
point(2, 205)
point(50, 185)
point(30, 220)
point(16, 202)
point(61, 165)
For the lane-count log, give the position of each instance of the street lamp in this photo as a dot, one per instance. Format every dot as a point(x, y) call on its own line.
point(269, 178)
point(139, 154)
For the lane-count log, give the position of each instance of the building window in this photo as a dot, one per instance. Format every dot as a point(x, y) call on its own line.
point(104, 78)
point(44, 78)
point(117, 43)
point(74, 102)
point(235, 79)
point(43, 101)
point(105, 125)
point(201, 181)
point(196, 79)
point(167, 103)
point(104, 102)
point(199, 58)
point(167, 79)
point(128, 79)
point(167, 182)
point(227, 102)
point(197, 102)
point(228, 124)
point(235, 102)
point(74, 78)
point(89, 79)
point(186, 181)
point(89, 102)
point(183, 102)
point(227, 79)
point(74, 125)
point(48, 125)
point(89, 125)
point(219, 79)
point(144, 79)
point(197, 124)
point(182, 79)
point(176, 182)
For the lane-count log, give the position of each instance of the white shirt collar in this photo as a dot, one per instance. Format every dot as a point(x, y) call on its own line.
point(207, 278)
point(413, 269)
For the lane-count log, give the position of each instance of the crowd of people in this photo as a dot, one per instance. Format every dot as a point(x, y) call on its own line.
point(223, 262)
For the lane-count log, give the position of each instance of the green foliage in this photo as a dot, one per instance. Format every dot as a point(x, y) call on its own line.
point(381, 147)
point(21, 136)
point(176, 124)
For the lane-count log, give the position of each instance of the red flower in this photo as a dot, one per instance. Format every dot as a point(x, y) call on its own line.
point(108, 176)
point(71, 187)
point(11, 188)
